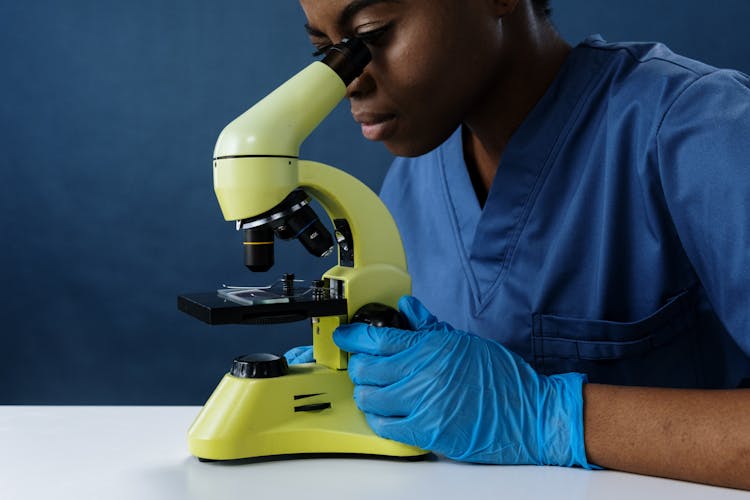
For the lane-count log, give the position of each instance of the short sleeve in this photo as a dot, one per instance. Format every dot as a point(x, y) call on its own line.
point(703, 148)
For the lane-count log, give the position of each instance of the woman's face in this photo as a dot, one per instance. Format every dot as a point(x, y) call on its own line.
point(432, 61)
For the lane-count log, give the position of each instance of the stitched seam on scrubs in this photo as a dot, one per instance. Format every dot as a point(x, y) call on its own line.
point(659, 168)
point(628, 51)
point(542, 175)
point(669, 108)
point(458, 239)
point(537, 339)
point(736, 336)
point(653, 332)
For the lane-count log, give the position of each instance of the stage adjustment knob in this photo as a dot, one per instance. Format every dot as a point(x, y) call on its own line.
point(376, 314)
point(259, 365)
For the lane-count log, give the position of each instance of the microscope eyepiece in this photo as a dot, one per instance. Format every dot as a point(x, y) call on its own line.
point(348, 58)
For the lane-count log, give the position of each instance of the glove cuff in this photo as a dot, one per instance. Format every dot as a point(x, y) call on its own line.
point(563, 438)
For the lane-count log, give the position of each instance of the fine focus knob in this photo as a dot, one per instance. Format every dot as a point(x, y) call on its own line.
point(381, 315)
point(259, 365)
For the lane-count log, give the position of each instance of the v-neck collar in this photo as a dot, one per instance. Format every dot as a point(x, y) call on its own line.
point(488, 237)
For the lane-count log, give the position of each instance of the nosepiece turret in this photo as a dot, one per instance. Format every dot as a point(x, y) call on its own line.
point(293, 218)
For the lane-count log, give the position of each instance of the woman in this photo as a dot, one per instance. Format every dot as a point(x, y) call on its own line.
point(577, 217)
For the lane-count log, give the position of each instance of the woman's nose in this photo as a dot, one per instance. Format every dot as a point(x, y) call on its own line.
point(361, 86)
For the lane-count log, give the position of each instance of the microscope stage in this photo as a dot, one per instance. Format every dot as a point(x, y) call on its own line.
point(214, 309)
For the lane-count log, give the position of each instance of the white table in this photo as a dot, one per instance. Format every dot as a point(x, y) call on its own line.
point(140, 453)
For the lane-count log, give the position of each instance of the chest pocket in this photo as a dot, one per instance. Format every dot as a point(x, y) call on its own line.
point(658, 349)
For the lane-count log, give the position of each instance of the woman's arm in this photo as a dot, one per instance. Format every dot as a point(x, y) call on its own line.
point(695, 435)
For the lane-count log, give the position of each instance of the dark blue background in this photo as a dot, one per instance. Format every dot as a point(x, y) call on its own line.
point(108, 116)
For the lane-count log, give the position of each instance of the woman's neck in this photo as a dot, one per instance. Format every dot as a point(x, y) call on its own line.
point(523, 78)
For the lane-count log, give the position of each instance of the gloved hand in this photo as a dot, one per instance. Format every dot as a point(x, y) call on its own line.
point(460, 395)
point(298, 355)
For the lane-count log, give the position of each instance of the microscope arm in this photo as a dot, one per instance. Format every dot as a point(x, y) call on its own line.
point(343, 196)
point(379, 270)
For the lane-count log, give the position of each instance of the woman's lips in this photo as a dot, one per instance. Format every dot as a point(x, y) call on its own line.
point(376, 126)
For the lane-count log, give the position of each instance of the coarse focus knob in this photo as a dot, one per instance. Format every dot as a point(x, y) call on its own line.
point(259, 365)
point(380, 315)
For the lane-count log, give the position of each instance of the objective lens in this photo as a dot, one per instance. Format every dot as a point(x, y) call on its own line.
point(259, 248)
point(307, 228)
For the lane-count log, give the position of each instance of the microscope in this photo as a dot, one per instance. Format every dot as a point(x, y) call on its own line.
point(263, 407)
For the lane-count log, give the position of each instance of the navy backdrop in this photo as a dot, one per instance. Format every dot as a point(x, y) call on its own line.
point(108, 116)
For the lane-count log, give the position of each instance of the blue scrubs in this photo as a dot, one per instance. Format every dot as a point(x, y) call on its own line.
point(615, 239)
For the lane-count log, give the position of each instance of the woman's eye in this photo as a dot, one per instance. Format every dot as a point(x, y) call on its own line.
point(370, 37)
point(373, 36)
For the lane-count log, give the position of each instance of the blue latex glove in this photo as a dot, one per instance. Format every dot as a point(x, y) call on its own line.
point(298, 355)
point(460, 395)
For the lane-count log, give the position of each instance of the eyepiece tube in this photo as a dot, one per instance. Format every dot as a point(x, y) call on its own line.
point(259, 248)
point(348, 58)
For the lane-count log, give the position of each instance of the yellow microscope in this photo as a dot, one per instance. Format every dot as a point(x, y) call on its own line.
point(263, 407)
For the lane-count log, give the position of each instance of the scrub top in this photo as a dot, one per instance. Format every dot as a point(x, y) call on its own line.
point(615, 238)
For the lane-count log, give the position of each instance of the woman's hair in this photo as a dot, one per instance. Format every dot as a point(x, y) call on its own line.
point(542, 7)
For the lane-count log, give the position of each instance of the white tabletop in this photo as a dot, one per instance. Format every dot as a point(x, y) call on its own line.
point(66, 452)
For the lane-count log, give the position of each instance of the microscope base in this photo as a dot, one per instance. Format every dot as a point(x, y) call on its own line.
point(309, 410)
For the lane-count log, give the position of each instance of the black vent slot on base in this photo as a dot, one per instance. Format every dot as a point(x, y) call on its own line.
point(313, 407)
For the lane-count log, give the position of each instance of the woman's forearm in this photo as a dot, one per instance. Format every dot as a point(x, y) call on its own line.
point(695, 435)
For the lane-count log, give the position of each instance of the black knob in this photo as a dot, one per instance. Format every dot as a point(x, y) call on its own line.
point(381, 315)
point(259, 365)
point(287, 284)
